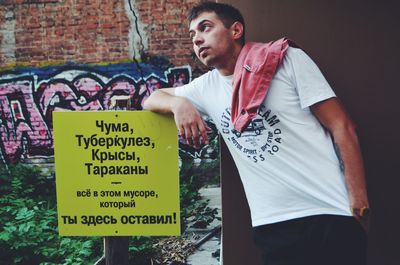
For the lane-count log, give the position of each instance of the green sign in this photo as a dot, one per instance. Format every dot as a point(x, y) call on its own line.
point(116, 173)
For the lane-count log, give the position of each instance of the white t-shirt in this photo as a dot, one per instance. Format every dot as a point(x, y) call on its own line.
point(286, 159)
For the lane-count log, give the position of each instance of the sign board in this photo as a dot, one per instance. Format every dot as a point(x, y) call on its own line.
point(116, 173)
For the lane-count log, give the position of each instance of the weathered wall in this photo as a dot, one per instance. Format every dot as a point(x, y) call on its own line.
point(28, 100)
point(66, 30)
point(165, 22)
point(34, 32)
point(77, 55)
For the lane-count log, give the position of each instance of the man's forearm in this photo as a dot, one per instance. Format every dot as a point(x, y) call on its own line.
point(161, 102)
point(349, 154)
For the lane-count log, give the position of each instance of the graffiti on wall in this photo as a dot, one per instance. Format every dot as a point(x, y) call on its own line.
point(29, 96)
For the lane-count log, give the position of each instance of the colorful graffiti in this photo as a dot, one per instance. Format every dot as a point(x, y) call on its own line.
point(28, 98)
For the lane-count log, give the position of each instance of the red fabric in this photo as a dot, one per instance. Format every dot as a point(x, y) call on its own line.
point(254, 70)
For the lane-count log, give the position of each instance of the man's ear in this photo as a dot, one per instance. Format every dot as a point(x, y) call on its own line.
point(237, 30)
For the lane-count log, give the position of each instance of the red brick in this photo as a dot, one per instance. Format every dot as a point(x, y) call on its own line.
point(98, 30)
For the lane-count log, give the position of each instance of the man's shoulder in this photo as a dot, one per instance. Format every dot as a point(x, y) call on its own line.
point(212, 76)
point(213, 73)
point(294, 51)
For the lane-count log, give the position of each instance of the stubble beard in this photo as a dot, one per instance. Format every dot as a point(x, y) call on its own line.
point(209, 61)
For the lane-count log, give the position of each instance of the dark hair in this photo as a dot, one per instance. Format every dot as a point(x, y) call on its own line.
point(226, 13)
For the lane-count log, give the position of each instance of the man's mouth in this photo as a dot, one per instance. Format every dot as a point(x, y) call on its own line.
point(202, 49)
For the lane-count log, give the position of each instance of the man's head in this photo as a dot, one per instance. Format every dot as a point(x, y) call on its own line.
point(217, 33)
point(226, 13)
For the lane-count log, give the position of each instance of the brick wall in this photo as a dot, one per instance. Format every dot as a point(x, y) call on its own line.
point(70, 30)
point(94, 31)
point(167, 25)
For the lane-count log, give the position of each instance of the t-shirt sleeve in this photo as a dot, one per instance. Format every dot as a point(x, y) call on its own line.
point(194, 92)
point(311, 85)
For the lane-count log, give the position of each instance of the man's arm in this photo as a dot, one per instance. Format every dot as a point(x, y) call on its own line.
point(333, 117)
point(188, 120)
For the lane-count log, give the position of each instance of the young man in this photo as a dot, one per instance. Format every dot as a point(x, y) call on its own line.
point(298, 158)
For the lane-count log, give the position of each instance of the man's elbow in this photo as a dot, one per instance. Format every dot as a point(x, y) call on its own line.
point(344, 127)
point(148, 103)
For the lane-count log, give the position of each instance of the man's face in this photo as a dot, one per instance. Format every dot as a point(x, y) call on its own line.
point(212, 41)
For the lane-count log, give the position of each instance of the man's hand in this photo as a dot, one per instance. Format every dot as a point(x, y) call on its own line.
point(364, 221)
point(189, 122)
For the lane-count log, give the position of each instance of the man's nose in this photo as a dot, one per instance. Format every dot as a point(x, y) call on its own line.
point(198, 39)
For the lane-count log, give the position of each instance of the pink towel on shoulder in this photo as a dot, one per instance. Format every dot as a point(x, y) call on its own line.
point(254, 70)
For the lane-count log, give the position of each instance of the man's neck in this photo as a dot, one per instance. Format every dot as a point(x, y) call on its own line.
point(229, 66)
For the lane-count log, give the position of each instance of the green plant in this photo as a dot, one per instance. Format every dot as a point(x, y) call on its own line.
point(141, 249)
point(29, 222)
point(193, 208)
